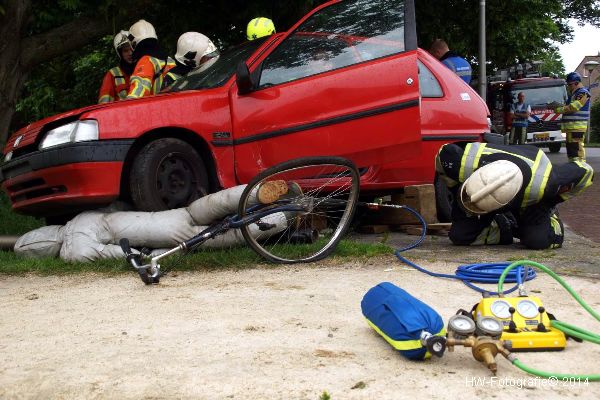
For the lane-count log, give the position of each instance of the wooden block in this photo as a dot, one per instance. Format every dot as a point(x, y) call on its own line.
point(439, 229)
point(373, 229)
point(420, 198)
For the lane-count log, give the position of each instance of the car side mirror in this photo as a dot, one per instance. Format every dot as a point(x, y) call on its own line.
point(243, 79)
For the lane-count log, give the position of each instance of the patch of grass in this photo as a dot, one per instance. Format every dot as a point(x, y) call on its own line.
point(325, 396)
point(207, 259)
point(13, 223)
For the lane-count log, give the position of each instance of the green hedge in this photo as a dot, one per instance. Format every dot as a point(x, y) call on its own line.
point(595, 121)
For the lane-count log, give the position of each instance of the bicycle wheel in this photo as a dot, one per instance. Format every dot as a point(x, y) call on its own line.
point(322, 193)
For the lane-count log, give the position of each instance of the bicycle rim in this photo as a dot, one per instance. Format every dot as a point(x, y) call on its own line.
point(326, 188)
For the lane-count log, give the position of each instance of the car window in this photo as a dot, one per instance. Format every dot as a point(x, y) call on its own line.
point(428, 83)
point(340, 35)
point(220, 71)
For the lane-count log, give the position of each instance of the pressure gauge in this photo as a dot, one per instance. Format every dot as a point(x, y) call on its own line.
point(461, 324)
point(500, 309)
point(527, 308)
point(489, 326)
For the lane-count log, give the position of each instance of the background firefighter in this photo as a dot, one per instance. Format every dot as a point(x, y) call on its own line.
point(115, 84)
point(575, 117)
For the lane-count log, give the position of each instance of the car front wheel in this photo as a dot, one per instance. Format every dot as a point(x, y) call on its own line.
point(167, 173)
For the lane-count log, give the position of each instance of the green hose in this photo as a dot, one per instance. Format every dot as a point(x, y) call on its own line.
point(568, 329)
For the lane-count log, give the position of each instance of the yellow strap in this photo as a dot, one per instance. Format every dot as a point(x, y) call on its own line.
point(402, 344)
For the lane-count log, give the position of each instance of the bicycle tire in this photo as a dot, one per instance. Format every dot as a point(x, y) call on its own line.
point(326, 187)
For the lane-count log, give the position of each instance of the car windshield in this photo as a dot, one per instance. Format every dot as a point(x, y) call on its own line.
point(542, 95)
point(220, 71)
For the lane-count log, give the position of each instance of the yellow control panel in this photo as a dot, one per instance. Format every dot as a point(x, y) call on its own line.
point(531, 330)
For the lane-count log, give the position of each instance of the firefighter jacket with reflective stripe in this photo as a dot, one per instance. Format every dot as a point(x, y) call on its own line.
point(115, 86)
point(577, 111)
point(541, 181)
point(459, 65)
point(147, 78)
point(520, 121)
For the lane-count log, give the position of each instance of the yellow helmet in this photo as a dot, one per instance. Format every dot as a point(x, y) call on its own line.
point(259, 27)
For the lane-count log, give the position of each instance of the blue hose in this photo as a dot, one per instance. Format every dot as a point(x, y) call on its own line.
point(478, 273)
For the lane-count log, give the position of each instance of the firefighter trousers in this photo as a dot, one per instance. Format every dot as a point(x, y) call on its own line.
point(538, 227)
point(574, 145)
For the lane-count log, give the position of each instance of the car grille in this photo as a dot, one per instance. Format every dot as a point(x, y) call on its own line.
point(32, 189)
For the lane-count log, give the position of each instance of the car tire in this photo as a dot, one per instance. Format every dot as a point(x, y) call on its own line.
point(554, 147)
point(167, 173)
point(443, 200)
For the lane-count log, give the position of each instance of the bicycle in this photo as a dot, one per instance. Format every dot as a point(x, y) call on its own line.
point(317, 210)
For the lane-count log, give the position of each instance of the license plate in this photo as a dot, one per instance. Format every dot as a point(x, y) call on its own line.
point(538, 137)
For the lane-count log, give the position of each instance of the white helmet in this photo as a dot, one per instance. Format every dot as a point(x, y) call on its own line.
point(121, 39)
point(141, 30)
point(192, 47)
point(491, 187)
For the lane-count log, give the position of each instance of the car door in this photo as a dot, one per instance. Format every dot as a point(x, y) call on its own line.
point(343, 82)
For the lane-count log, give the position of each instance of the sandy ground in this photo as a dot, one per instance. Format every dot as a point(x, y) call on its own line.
point(285, 332)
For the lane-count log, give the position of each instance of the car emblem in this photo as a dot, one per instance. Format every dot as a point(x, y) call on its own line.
point(17, 141)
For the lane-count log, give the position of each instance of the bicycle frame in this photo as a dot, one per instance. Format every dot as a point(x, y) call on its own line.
point(150, 273)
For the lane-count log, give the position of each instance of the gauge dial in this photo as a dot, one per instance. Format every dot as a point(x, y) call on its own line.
point(490, 326)
point(527, 308)
point(461, 324)
point(500, 309)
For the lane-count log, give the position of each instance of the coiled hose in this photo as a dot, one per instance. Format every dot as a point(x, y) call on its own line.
point(478, 273)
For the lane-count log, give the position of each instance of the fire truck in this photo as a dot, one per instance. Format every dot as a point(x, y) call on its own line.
point(544, 125)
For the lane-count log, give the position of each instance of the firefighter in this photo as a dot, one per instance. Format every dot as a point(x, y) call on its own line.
point(502, 192)
point(195, 51)
point(115, 84)
point(461, 67)
point(259, 27)
point(152, 63)
point(575, 117)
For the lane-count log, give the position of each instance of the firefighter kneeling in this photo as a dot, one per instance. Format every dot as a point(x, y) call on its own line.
point(505, 192)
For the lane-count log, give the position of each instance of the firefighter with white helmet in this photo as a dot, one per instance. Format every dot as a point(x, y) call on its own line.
point(115, 84)
point(152, 63)
point(502, 192)
point(259, 27)
point(195, 51)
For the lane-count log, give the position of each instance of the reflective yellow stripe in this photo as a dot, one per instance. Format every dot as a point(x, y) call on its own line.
point(402, 344)
point(140, 86)
point(584, 182)
point(470, 160)
point(105, 99)
point(540, 172)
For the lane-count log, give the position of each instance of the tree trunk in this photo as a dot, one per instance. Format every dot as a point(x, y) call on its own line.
point(12, 26)
point(19, 54)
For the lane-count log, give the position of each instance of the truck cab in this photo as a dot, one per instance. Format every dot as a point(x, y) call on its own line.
point(544, 124)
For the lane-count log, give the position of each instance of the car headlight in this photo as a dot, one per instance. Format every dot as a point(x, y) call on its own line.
point(489, 121)
point(78, 131)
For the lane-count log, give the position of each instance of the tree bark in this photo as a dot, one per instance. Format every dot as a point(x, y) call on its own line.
point(12, 26)
point(19, 54)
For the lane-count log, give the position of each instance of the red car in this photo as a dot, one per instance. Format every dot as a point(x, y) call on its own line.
point(346, 80)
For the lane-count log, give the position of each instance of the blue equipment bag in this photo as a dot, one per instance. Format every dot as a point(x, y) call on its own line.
point(400, 319)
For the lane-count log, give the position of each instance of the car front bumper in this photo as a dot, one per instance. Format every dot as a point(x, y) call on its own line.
point(65, 179)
